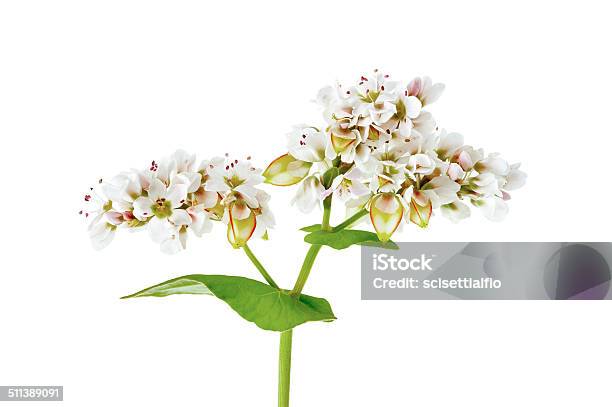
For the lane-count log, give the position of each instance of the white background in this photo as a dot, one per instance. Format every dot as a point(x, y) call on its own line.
point(91, 88)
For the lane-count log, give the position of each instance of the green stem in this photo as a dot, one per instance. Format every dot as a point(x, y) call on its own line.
point(326, 213)
point(286, 340)
point(349, 221)
point(284, 368)
point(309, 260)
point(259, 266)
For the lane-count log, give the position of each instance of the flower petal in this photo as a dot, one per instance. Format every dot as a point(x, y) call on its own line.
point(142, 208)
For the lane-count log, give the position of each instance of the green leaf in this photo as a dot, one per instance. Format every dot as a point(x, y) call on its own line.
point(269, 308)
point(347, 237)
point(311, 228)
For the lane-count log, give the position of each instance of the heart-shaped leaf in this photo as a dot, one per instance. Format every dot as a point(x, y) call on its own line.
point(342, 239)
point(269, 308)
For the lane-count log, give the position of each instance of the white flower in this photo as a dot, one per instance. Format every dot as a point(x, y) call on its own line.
point(234, 179)
point(349, 185)
point(467, 156)
point(494, 208)
point(421, 164)
point(172, 197)
point(448, 144)
point(515, 178)
point(441, 190)
point(387, 148)
point(162, 202)
point(455, 211)
point(263, 214)
point(493, 163)
point(309, 194)
point(425, 90)
point(101, 233)
point(485, 184)
point(307, 144)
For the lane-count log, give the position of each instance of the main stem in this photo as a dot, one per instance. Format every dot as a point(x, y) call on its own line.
point(284, 368)
point(286, 339)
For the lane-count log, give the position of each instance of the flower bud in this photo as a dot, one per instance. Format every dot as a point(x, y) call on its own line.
point(420, 214)
point(241, 225)
point(386, 213)
point(286, 170)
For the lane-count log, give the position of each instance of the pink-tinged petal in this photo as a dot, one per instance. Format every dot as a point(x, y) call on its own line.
point(240, 210)
point(420, 198)
point(362, 153)
point(465, 161)
point(114, 218)
point(455, 171)
point(208, 199)
point(142, 208)
point(414, 87)
point(386, 213)
point(180, 217)
point(200, 222)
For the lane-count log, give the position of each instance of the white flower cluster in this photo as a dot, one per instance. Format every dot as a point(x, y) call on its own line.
point(392, 158)
point(173, 196)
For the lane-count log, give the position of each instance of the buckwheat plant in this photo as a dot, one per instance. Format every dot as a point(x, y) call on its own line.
point(378, 151)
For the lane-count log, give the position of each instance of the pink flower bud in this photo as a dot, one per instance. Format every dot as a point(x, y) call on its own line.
point(386, 213)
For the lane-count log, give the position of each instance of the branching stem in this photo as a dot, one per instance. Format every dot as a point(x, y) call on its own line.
point(259, 266)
